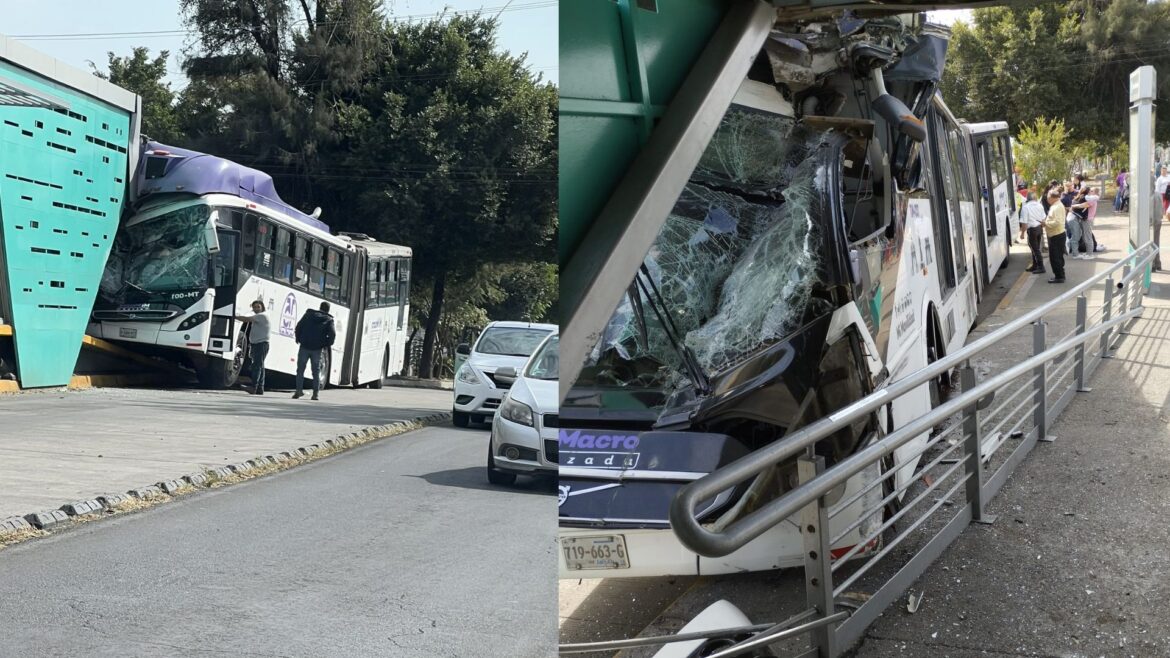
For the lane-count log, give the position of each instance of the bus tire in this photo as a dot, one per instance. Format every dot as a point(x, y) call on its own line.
point(217, 374)
point(326, 365)
point(377, 383)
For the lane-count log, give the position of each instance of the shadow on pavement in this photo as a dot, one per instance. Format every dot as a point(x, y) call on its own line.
point(475, 477)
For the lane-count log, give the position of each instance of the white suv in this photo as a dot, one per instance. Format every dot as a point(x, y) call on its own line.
point(502, 344)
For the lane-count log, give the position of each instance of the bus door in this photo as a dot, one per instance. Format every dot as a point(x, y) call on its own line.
point(225, 267)
point(987, 216)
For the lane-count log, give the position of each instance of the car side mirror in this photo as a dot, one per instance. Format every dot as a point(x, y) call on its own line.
point(464, 349)
point(506, 375)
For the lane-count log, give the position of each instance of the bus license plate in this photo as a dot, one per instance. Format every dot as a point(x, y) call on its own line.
point(127, 332)
point(130, 308)
point(601, 552)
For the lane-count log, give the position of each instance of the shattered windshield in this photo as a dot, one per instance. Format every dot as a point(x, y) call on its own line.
point(512, 341)
point(168, 252)
point(736, 263)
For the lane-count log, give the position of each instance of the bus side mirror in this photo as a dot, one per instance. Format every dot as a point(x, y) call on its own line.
point(210, 235)
point(900, 117)
point(464, 349)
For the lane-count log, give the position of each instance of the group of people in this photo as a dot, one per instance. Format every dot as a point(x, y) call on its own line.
point(314, 333)
point(1063, 214)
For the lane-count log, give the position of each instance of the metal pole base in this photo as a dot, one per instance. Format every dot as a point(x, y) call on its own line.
point(1085, 389)
point(1047, 438)
point(986, 519)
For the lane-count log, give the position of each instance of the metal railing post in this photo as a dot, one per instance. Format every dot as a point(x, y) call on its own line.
point(973, 449)
point(818, 559)
point(1106, 315)
point(1040, 397)
point(1123, 305)
point(1082, 321)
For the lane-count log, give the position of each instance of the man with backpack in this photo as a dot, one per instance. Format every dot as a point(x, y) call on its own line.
point(314, 333)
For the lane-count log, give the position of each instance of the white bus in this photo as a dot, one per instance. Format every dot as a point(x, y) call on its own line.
point(991, 147)
point(207, 238)
point(825, 245)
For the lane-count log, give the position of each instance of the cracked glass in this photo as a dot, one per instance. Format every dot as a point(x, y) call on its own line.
point(168, 252)
point(735, 265)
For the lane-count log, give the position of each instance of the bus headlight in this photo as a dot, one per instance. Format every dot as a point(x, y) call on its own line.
point(467, 375)
point(194, 320)
point(517, 412)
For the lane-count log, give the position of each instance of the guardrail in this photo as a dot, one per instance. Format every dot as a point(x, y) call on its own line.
point(1030, 395)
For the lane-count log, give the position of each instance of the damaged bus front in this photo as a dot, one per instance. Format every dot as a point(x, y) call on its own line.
point(817, 252)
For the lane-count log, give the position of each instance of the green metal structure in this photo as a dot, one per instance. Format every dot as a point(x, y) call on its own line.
point(622, 63)
point(68, 146)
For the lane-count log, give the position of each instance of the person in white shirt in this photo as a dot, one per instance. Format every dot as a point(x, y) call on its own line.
point(257, 344)
point(1160, 187)
point(1032, 216)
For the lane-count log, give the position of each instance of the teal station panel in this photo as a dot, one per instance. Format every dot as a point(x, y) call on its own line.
point(63, 162)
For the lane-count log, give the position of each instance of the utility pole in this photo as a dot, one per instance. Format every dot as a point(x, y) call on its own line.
point(1142, 92)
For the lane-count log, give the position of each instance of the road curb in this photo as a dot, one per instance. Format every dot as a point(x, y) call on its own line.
point(16, 529)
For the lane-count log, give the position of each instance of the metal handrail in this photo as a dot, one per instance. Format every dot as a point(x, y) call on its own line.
point(717, 544)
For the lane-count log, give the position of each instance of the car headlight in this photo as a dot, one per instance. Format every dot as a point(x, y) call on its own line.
point(467, 375)
point(193, 320)
point(517, 412)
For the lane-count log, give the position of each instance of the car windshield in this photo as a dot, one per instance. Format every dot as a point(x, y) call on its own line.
point(510, 341)
point(734, 267)
point(546, 364)
point(167, 252)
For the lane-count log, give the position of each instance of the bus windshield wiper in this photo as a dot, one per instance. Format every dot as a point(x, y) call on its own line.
point(691, 366)
point(136, 286)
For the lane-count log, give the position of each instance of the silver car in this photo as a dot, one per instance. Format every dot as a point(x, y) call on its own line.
point(524, 431)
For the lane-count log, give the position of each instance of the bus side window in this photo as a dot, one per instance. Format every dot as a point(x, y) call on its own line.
point(316, 268)
point(282, 264)
point(345, 274)
point(249, 238)
point(371, 284)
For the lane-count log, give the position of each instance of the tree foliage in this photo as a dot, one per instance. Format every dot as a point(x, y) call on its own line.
point(1069, 60)
point(144, 76)
point(422, 134)
point(1040, 151)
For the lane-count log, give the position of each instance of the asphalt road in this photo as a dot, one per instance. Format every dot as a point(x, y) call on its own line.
point(399, 548)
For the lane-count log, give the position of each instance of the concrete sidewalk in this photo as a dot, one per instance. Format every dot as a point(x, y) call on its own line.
point(1074, 566)
point(58, 447)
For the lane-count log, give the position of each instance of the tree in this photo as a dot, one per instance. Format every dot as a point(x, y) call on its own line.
point(144, 76)
point(1069, 60)
point(1040, 151)
point(466, 161)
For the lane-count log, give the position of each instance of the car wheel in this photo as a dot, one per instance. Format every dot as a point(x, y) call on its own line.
point(496, 476)
point(460, 419)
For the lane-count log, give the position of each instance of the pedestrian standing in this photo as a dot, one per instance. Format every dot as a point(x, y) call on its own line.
point(1156, 219)
point(1120, 190)
point(1032, 215)
point(314, 333)
point(1161, 186)
point(1075, 223)
point(1054, 229)
point(257, 343)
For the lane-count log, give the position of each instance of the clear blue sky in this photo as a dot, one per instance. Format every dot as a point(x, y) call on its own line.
point(525, 26)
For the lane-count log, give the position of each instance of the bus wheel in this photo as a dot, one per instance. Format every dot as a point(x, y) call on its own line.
point(326, 365)
point(377, 383)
